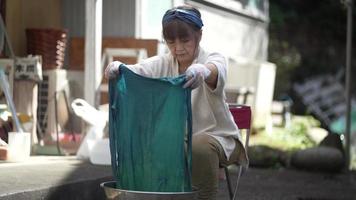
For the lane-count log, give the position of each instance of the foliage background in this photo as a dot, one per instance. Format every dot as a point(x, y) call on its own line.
point(308, 38)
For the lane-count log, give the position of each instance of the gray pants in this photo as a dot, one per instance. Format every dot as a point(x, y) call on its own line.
point(208, 155)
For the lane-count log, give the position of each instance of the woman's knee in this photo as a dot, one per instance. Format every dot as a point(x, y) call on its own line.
point(202, 146)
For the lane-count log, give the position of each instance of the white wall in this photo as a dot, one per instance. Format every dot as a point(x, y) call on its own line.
point(233, 36)
point(236, 28)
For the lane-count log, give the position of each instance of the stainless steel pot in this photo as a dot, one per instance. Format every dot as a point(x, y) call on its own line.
point(113, 193)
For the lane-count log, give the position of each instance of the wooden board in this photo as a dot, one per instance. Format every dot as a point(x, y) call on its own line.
point(76, 51)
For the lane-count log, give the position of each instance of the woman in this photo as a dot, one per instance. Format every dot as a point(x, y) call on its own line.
point(216, 139)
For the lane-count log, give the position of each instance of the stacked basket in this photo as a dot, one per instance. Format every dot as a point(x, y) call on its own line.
point(50, 44)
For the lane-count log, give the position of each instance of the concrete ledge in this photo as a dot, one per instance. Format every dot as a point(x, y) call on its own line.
point(52, 177)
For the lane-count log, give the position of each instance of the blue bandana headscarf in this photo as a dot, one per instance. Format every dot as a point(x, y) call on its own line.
point(184, 15)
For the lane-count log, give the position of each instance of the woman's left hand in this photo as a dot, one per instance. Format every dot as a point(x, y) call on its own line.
point(196, 74)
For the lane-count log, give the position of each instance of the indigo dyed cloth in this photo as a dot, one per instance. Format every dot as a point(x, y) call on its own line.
point(150, 132)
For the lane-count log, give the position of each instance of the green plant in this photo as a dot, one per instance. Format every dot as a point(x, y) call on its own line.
point(290, 138)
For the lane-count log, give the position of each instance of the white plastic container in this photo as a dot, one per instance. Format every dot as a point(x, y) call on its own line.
point(19, 146)
point(99, 151)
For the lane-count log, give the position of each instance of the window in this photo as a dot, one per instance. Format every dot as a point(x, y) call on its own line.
point(255, 9)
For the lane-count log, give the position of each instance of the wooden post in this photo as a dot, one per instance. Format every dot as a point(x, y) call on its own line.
point(92, 54)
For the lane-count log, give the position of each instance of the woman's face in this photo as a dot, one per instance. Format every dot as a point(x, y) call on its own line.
point(182, 40)
point(183, 49)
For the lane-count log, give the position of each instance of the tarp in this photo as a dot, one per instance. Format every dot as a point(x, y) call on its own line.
point(149, 120)
point(338, 126)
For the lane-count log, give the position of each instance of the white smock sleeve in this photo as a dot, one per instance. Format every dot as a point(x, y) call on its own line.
point(221, 64)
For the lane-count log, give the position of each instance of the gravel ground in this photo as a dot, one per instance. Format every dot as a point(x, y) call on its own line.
point(274, 184)
point(63, 177)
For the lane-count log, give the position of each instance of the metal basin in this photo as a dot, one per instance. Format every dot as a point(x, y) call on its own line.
point(113, 193)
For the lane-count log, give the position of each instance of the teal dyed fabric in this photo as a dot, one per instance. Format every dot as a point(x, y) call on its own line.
point(150, 133)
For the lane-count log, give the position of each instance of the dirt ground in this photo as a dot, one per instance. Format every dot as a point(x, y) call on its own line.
point(275, 184)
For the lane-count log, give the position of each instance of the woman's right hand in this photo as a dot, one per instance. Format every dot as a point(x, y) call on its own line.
point(112, 70)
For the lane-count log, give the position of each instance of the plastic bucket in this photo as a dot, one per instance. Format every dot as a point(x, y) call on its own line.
point(19, 146)
point(113, 193)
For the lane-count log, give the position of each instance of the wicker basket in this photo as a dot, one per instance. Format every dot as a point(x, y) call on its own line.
point(50, 44)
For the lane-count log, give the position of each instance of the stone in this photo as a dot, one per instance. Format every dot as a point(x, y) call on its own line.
point(322, 158)
point(264, 156)
point(332, 140)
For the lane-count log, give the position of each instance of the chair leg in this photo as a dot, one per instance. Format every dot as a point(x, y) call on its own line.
point(228, 181)
point(232, 192)
point(237, 183)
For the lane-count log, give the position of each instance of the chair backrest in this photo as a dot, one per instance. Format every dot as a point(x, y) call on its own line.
point(242, 117)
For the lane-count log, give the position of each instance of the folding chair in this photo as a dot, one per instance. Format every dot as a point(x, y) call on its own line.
point(242, 118)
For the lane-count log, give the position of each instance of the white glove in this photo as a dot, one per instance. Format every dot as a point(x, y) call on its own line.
point(112, 70)
point(196, 74)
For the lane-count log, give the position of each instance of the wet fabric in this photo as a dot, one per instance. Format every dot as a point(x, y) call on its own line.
point(149, 127)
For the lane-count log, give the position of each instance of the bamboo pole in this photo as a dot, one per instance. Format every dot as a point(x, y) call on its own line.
point(349, 4)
